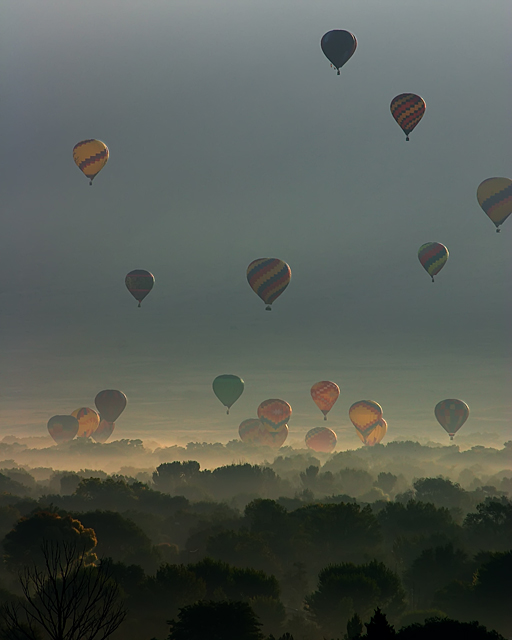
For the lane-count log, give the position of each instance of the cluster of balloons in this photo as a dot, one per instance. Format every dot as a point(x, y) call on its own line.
point(271, 427)
point(268, 278)
point(366, 416)
point(87, 423)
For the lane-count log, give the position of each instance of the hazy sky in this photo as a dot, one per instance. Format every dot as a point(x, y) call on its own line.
point(232, 139)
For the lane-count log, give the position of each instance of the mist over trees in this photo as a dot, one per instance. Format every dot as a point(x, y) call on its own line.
point(398, 539)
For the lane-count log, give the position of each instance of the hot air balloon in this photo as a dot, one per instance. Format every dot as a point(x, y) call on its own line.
point(268, 278)
point(324, 395)
point(338, 47)
point(251, 430)
point(451, 415)
point(63, 428)
point(104, 431)
point(88, 421)
point(365, 415)
point(139, 283)
point(274, 413)
point(407, 109)
point(273, 438)
point(90, 157)
point(110, 404)
point(495, 197)
point(375, 435)
point(228, 389)
point(433, 257)
point(321, 439)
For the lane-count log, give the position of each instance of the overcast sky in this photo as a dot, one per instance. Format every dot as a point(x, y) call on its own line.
point(231, 139)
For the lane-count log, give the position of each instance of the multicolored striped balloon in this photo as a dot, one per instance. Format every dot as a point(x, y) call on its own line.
point(451, 415)
point(365, 415)
point(268, 278)
point(374, 436)
point(433, 257)
point(63, 428)
point(495, 197)
point(274, 413)
point(104, 431)
point(139, 283)
point(324, 395)
point(407, 109)
point(251, 430)
point(321, 439)
point(338, 46)
point(90, 157)
point(88, 421)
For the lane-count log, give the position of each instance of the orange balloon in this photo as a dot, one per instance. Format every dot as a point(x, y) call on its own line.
point(324, 395)
point(250, 430)
point(321, 439)
point(274, 413)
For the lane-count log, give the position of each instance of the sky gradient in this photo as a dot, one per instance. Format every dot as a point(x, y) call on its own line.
point(231, 139)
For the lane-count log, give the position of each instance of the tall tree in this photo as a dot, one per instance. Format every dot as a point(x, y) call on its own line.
point(65, 599)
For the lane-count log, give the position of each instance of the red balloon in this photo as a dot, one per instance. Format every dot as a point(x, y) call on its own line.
point(110, 404)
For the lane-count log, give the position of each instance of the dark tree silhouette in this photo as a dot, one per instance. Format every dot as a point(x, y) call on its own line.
point(66, 599)
point(23, 544)
point(354, 628)
point(446, 628)
point(216, 621)
point(379, 628)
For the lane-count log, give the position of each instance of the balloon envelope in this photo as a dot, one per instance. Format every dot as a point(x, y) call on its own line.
point(365, 415)
point(273, 438)
point(324, 395)
point(451, 415)
point(63, 428)
point(373, 437)
point(88, 421)
point(90, 157)
point(321, 439)
point(110, 404)
point(338, 46)
point(407, 109)
point(495, 197)
point(104, 431)
point(268, 278)
point(228, 388)
point(251, 430)
point(433, 257)
point(139, 283)
point(274, 413)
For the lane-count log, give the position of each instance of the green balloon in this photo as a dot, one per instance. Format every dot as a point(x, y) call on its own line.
point(228, 389)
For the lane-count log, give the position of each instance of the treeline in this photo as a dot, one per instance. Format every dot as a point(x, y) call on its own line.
point(305, 565)
point(367, 474)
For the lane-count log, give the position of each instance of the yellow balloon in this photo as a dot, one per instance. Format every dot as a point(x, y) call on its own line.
point(375, 435)
point(88, 421)
point(90, 157)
